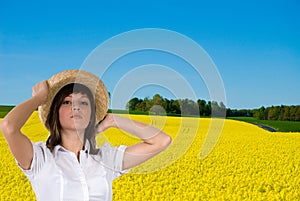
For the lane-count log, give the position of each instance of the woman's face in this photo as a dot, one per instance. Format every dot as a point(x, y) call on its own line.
point(75, 112)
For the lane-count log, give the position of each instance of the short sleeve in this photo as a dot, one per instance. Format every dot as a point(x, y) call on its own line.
point(38, 160)
point(112, 157)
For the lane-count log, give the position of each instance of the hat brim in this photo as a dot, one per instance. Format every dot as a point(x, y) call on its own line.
point(96, 86)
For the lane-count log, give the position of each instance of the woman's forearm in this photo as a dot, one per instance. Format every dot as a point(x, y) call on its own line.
point(18, 116)
point(147, 133)
point(154, 140)
point(12, 123)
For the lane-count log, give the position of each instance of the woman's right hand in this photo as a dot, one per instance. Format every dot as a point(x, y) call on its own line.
point(40, 91)
point(107, 122)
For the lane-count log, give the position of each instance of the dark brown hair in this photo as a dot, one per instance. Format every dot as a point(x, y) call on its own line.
point(53, 123)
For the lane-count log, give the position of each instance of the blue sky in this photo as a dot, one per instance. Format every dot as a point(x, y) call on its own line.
point(255, 45)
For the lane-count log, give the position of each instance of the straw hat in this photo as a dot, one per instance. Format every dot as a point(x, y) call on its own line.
point(90, 80)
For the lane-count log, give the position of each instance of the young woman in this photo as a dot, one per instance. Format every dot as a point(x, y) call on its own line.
point(69, 166)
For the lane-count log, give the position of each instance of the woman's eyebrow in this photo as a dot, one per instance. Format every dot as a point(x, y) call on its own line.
point(84, 96)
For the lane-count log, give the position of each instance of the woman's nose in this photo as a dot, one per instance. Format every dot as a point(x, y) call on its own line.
point(75, 106)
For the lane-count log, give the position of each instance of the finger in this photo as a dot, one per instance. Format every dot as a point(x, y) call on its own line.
point(33, 91)
point(45, 83)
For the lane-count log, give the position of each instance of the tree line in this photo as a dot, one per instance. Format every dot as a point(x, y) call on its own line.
point(163, 106)
point(186, 107)
point(283, 112)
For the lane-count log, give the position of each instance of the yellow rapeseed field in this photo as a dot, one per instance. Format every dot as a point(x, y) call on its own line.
point(248, 163)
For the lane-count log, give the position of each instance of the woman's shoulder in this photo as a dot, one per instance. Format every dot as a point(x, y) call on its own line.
point(40, 143)
point(107, 148)
point(106, 145)
point(112, 157)
point(41, 146)
point(110, 153)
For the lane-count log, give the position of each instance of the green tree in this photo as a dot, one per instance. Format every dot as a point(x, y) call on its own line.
point(281, 112)
point(273, 113)
point(174, 107)
point(297, 114)
point(157, 100)
point(189, 107)
point(207, 110)
point(222, 109)
point(286, 113)
point(147, 104)
point(215, 108)
point(166, 105)
point(293, 113)
point(261, 113)
point(202, 107)
point(131, 105)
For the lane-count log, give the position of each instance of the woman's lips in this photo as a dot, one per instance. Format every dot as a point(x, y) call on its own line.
point(76, 116)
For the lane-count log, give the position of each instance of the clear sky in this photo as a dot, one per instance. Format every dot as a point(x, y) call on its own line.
point(255, 45)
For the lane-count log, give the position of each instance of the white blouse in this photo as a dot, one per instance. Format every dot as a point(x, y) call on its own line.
point(58, 175)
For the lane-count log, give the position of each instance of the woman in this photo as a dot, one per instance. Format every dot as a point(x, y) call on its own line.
point(72, 106)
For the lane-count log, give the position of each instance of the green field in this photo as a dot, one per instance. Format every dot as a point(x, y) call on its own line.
point(282, 126)
point(4, 110)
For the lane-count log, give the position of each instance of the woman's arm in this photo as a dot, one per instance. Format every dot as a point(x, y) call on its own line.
point(154, 140)
point(12, 123)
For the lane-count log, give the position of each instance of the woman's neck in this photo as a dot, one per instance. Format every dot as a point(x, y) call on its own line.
point(72, 141)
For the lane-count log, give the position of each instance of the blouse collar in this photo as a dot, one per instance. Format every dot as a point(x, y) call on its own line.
point(61, 148)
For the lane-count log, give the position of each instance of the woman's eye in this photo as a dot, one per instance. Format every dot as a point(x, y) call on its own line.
point(84, 103)
point(67, 102)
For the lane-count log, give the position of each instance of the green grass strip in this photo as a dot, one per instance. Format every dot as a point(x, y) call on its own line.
point(282, 126)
